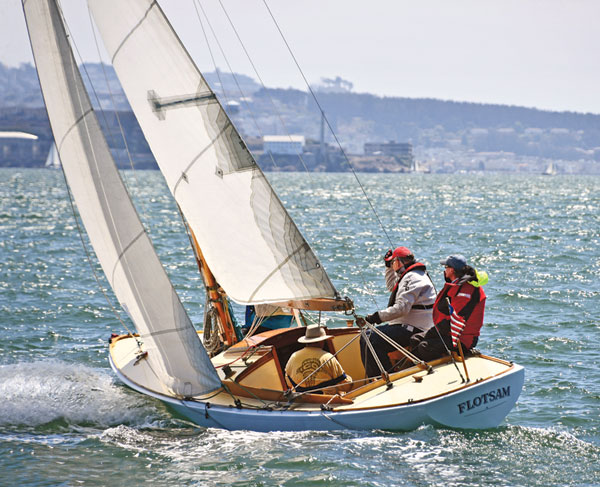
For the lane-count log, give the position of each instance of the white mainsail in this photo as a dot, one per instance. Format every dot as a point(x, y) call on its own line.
point(123, 248)
point(250, 243)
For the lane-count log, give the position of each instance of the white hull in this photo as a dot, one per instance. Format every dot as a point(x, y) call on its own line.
point(480, 404)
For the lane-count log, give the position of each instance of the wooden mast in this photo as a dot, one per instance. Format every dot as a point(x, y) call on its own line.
point(216, 295)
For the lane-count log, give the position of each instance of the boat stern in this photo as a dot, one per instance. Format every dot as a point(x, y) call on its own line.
point(481, 406)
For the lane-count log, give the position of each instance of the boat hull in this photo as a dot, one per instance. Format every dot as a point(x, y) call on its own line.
point(479, 405)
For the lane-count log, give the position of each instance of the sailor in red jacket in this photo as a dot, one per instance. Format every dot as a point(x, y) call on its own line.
point(457, 313)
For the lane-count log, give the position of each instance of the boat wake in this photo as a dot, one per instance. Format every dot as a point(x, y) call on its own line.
point(38, 393)
point(443, 456)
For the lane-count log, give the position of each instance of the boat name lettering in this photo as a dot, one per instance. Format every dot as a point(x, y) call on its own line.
point(484, 399)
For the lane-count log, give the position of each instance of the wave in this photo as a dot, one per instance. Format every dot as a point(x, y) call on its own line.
point(53, 391)
point(441, 456)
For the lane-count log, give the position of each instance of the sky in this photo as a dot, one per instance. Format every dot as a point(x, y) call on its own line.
point(534, 53)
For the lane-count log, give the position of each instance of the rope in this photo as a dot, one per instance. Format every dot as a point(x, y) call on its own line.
point(241, 357)
point(257, 322)
point(235, 398)
point(344, 426)
point(210, 333)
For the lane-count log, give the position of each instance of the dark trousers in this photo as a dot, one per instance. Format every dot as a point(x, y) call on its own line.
point(432, 345)
point(398, 333)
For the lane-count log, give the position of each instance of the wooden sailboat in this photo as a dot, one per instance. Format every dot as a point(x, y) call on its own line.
point(247, 246)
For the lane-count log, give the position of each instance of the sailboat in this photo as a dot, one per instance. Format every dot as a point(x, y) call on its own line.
point(419, 167)
point(550, 169)
point(247, 248)
point(53, 159)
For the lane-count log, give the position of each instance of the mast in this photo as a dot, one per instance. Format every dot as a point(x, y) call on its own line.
point(216, 298)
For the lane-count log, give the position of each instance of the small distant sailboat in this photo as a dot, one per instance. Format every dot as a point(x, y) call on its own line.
point(419, 167)
point(550, 169)
point(247, 248)
point(53, 159)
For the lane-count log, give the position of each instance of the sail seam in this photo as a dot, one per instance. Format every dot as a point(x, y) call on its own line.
point(130, 33)
point(68, 131)
point(265, 280)
point(195, 159)
point(122, 253)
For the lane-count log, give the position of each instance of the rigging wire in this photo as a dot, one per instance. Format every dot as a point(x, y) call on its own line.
point(116, 112)
point(244, 98)
point(264, 87)
point(210, 51)
point(89, 259)
point(327, 122)
point(324, 364)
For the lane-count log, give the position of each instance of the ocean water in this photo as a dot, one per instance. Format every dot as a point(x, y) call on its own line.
point(66, 421)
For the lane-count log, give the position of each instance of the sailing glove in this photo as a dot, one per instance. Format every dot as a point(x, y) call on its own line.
point(387, 255)
point(374, 319)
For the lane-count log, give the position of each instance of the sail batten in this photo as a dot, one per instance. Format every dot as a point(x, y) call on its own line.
point(254, 249)
point(116, 233)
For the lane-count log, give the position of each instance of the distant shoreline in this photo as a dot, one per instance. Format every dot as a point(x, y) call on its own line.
point(446, 136)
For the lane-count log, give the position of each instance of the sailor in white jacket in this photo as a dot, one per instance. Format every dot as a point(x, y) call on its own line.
point(409, 308)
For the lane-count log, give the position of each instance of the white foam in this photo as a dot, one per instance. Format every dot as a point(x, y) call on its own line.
point(36, 393)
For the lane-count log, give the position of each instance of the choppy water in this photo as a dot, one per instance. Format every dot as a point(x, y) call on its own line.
point(65, 420)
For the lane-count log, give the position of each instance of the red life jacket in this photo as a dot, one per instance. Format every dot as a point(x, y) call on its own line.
point(468, 302)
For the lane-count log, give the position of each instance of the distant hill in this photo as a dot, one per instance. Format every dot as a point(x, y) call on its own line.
point(467, 129)
point(19, 87)
point(429, 123)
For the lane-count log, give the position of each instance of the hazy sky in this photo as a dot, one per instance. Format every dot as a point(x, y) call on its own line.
point(534, 53)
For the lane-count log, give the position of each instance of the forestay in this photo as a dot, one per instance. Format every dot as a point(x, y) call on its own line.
point(123, 248)
point(250, 243)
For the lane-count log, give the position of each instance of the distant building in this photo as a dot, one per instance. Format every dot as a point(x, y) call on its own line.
point(283, 144)
point(388, 148)
point(401, 151)
point(18, 148)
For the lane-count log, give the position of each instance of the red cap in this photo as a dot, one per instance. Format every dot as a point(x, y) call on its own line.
point(399, 252)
